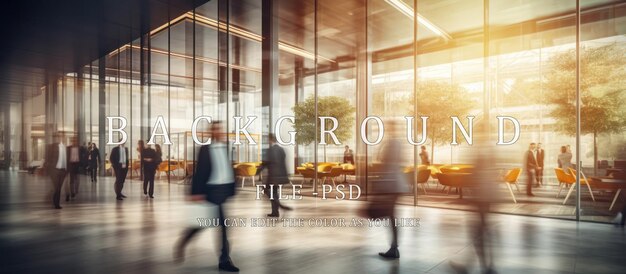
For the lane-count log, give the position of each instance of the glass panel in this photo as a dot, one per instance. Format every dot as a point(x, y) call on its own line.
point(526, 82)
point(390, 95)
point(603, 108)
point(450, 84)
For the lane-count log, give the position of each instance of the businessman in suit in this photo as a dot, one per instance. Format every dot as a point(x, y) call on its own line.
point(213, 181)
point(276, 174)
point(540, 157)
point(531, 167)
point(119, 162)
point(56, 167)
point(75, 158)
point(150, 164)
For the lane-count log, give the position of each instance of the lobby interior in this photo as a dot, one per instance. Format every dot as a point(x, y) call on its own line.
point(556, 66)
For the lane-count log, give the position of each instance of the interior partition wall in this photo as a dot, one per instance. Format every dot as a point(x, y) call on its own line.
point(556, 66)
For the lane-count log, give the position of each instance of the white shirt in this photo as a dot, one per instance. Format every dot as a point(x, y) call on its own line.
point(62, 161)
point(122, 155)
point(74, 158)
point(221, 170)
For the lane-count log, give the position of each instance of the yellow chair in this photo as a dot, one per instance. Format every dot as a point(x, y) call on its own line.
point(246, 170)
point(564, 179)
point(334, 172)
point(455, 180)
point(511, 179)
point(108, 167)
point(583, 181)
point(423, 174)
point(163, 167)
point(135, 167)
point(307, 173)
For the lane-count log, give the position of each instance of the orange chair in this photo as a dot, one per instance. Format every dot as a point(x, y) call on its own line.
point(135, 167)
point(167, 167)
point(434, 172)
point(245, 170)
point(334, 172)
point(423, 174)
point(583, 180)
point(307, 173)
point(456, 180)
point(568, 179)
point(511, 179)
point(108, 167)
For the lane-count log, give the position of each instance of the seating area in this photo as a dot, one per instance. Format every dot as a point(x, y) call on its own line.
point(325, 171)
point(248, 170)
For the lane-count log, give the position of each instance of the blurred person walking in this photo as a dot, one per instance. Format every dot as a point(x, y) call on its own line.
point(214, 182)
point(159, 155)
point(530, 158)
point(348, 156)
point(393, 183)
point(140, 147)
point(424, 157)
point(75, 159)
point(56, 167)
point(119, 162)
point(276, 165)
point(541, 154)
point(482, 179)
point(93, 159)
point(84, 164)
point(150, 165)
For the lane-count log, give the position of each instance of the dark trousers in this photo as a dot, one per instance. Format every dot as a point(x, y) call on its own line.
point(57, 176)
point(530, 177)
point(148, 180)
point(394, 229)
point(93, 173)
point(540, 175)
point(276, 201)
point(72, 187)
point(120, 177)
point(384, 206)
point(191, 232)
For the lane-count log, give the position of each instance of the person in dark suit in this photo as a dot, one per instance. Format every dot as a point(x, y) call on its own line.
point(56, 167)
point(392, 184)
point(119, 162)
point(348, 155)
point(84, 164)
point(93, 158)
point(424, 156)
point(530, 159)
point(150, 164)
point(213, 181)
point(159, 154)
point(75, 159)
point(276, 174)
point(540, 157)
point(140, 147)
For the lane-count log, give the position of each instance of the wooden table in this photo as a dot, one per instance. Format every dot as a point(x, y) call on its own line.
point(611, 184)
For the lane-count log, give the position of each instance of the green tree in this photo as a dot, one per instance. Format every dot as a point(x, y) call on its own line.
point(328, 106)
point(602, 91)
point(439, 101)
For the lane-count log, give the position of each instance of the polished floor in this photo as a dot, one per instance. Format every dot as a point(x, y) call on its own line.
point(97, 234)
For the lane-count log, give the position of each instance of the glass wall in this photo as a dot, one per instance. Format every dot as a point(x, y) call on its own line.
point(476, 60)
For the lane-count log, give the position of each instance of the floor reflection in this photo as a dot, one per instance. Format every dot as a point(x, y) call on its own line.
point(97, 234)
